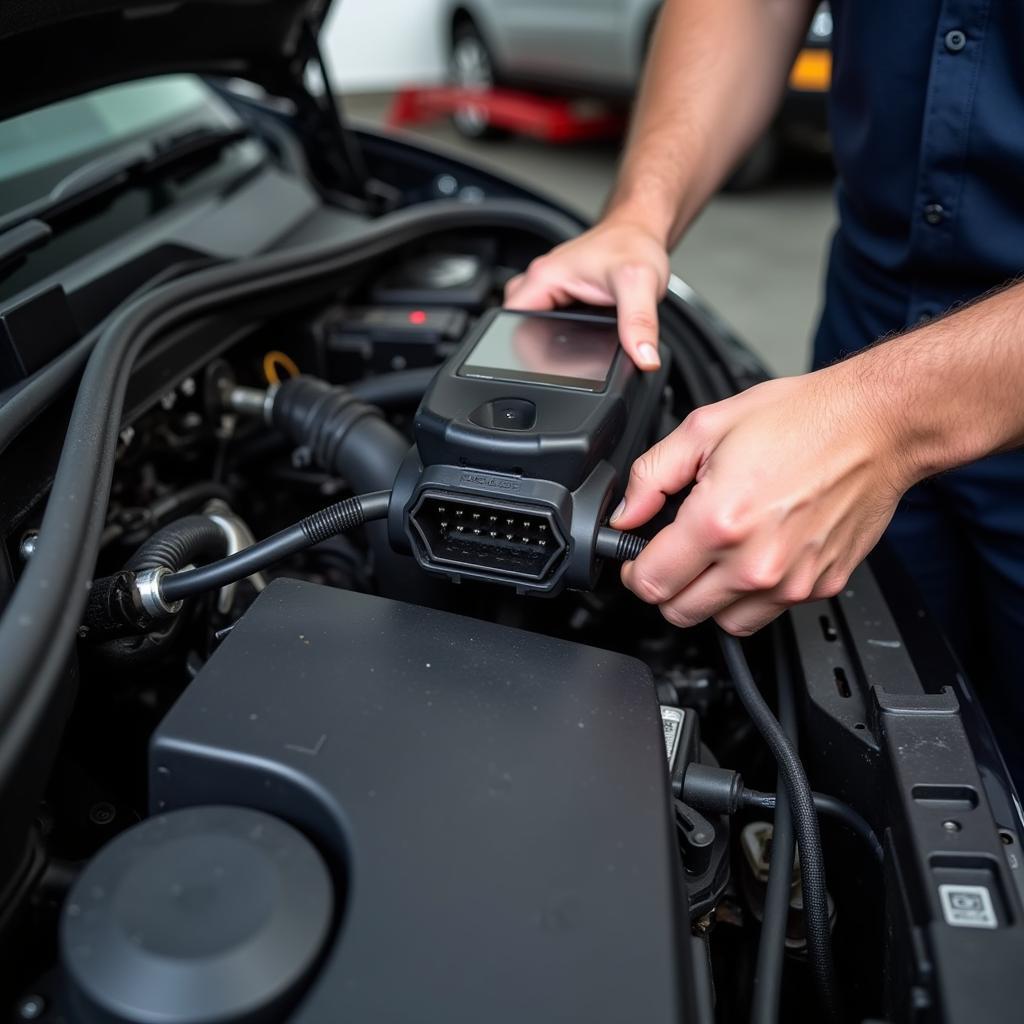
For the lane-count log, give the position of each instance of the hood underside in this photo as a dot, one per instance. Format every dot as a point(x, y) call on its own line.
point(53, 49)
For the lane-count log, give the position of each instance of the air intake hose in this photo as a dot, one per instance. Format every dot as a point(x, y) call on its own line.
point(344, 436)
point(351, 439)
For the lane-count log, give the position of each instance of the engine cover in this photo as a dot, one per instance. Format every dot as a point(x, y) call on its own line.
point(493, 805)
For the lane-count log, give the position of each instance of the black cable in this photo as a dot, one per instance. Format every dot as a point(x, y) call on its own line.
point(721, 791)
point(771, 947)
point(805, 822)
point(41, 620)
point(329, 522)
point(843, 813)
point(611, 543)
point(396, 389)
point(618, 546)
point(824, 804)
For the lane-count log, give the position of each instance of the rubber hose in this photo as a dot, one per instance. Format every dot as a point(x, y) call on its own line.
point(191, 539)
point(345, 436)
point(184, 541)
point(352, 440)
point(771, 948)
point(805, 823)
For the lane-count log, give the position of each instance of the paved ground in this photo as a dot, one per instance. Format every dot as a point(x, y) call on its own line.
point(758, 258)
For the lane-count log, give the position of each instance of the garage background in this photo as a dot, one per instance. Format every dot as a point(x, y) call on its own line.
point(758, 257)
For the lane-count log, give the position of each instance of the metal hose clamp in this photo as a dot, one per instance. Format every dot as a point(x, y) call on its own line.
point(147, 588)
point(238, 537)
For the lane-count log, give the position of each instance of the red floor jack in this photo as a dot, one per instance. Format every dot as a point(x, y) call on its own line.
point(549, 118)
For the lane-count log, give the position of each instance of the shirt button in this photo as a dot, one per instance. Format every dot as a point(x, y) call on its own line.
point(955, 40)
point(934, 213)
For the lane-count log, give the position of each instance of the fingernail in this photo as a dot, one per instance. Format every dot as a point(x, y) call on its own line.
point(648, 355)
point(618, 511)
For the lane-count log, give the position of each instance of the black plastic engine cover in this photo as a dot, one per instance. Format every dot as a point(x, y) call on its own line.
point(493, 803)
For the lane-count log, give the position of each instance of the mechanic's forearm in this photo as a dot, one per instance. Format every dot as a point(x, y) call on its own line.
point(950, 392)
point(715, 74)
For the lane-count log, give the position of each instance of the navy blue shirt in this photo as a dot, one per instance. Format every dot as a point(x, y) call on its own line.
point(927, 119)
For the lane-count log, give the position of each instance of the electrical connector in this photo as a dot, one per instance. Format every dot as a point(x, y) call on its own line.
point(514, 541)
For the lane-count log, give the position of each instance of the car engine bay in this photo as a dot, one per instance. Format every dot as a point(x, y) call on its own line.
point(395, 773)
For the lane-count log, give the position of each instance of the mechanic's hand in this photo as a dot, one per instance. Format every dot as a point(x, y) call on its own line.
point(613, 264)
point(795, 481)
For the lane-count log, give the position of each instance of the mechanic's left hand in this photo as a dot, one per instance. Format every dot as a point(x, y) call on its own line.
point(795, 481)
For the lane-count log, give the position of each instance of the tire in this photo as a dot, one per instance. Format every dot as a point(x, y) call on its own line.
point(757, 167)
point(470, 66)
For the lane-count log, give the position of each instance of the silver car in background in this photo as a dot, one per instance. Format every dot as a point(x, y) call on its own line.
point(579, 45)
point(597, 48)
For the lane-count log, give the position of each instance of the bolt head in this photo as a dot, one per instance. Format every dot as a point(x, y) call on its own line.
point(28, 545)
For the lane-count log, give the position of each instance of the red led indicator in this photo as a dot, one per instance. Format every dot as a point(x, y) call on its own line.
point(418, 316)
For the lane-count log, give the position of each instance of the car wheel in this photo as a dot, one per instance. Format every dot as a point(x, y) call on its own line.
point(757, 166)
point(470, 67)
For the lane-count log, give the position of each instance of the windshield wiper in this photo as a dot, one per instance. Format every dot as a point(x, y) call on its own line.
point(103, 178)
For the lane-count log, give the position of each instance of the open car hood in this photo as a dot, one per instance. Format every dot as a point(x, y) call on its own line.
point(53, 49)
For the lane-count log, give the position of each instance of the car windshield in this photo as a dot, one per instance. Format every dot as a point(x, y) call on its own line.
point(37, 149)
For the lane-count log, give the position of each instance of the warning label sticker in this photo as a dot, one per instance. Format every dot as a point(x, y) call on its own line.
point(967, 906)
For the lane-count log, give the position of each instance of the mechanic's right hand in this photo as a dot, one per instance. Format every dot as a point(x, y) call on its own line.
point(615, 263)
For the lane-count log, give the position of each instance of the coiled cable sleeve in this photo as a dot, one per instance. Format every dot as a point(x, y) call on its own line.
point(329, 522)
